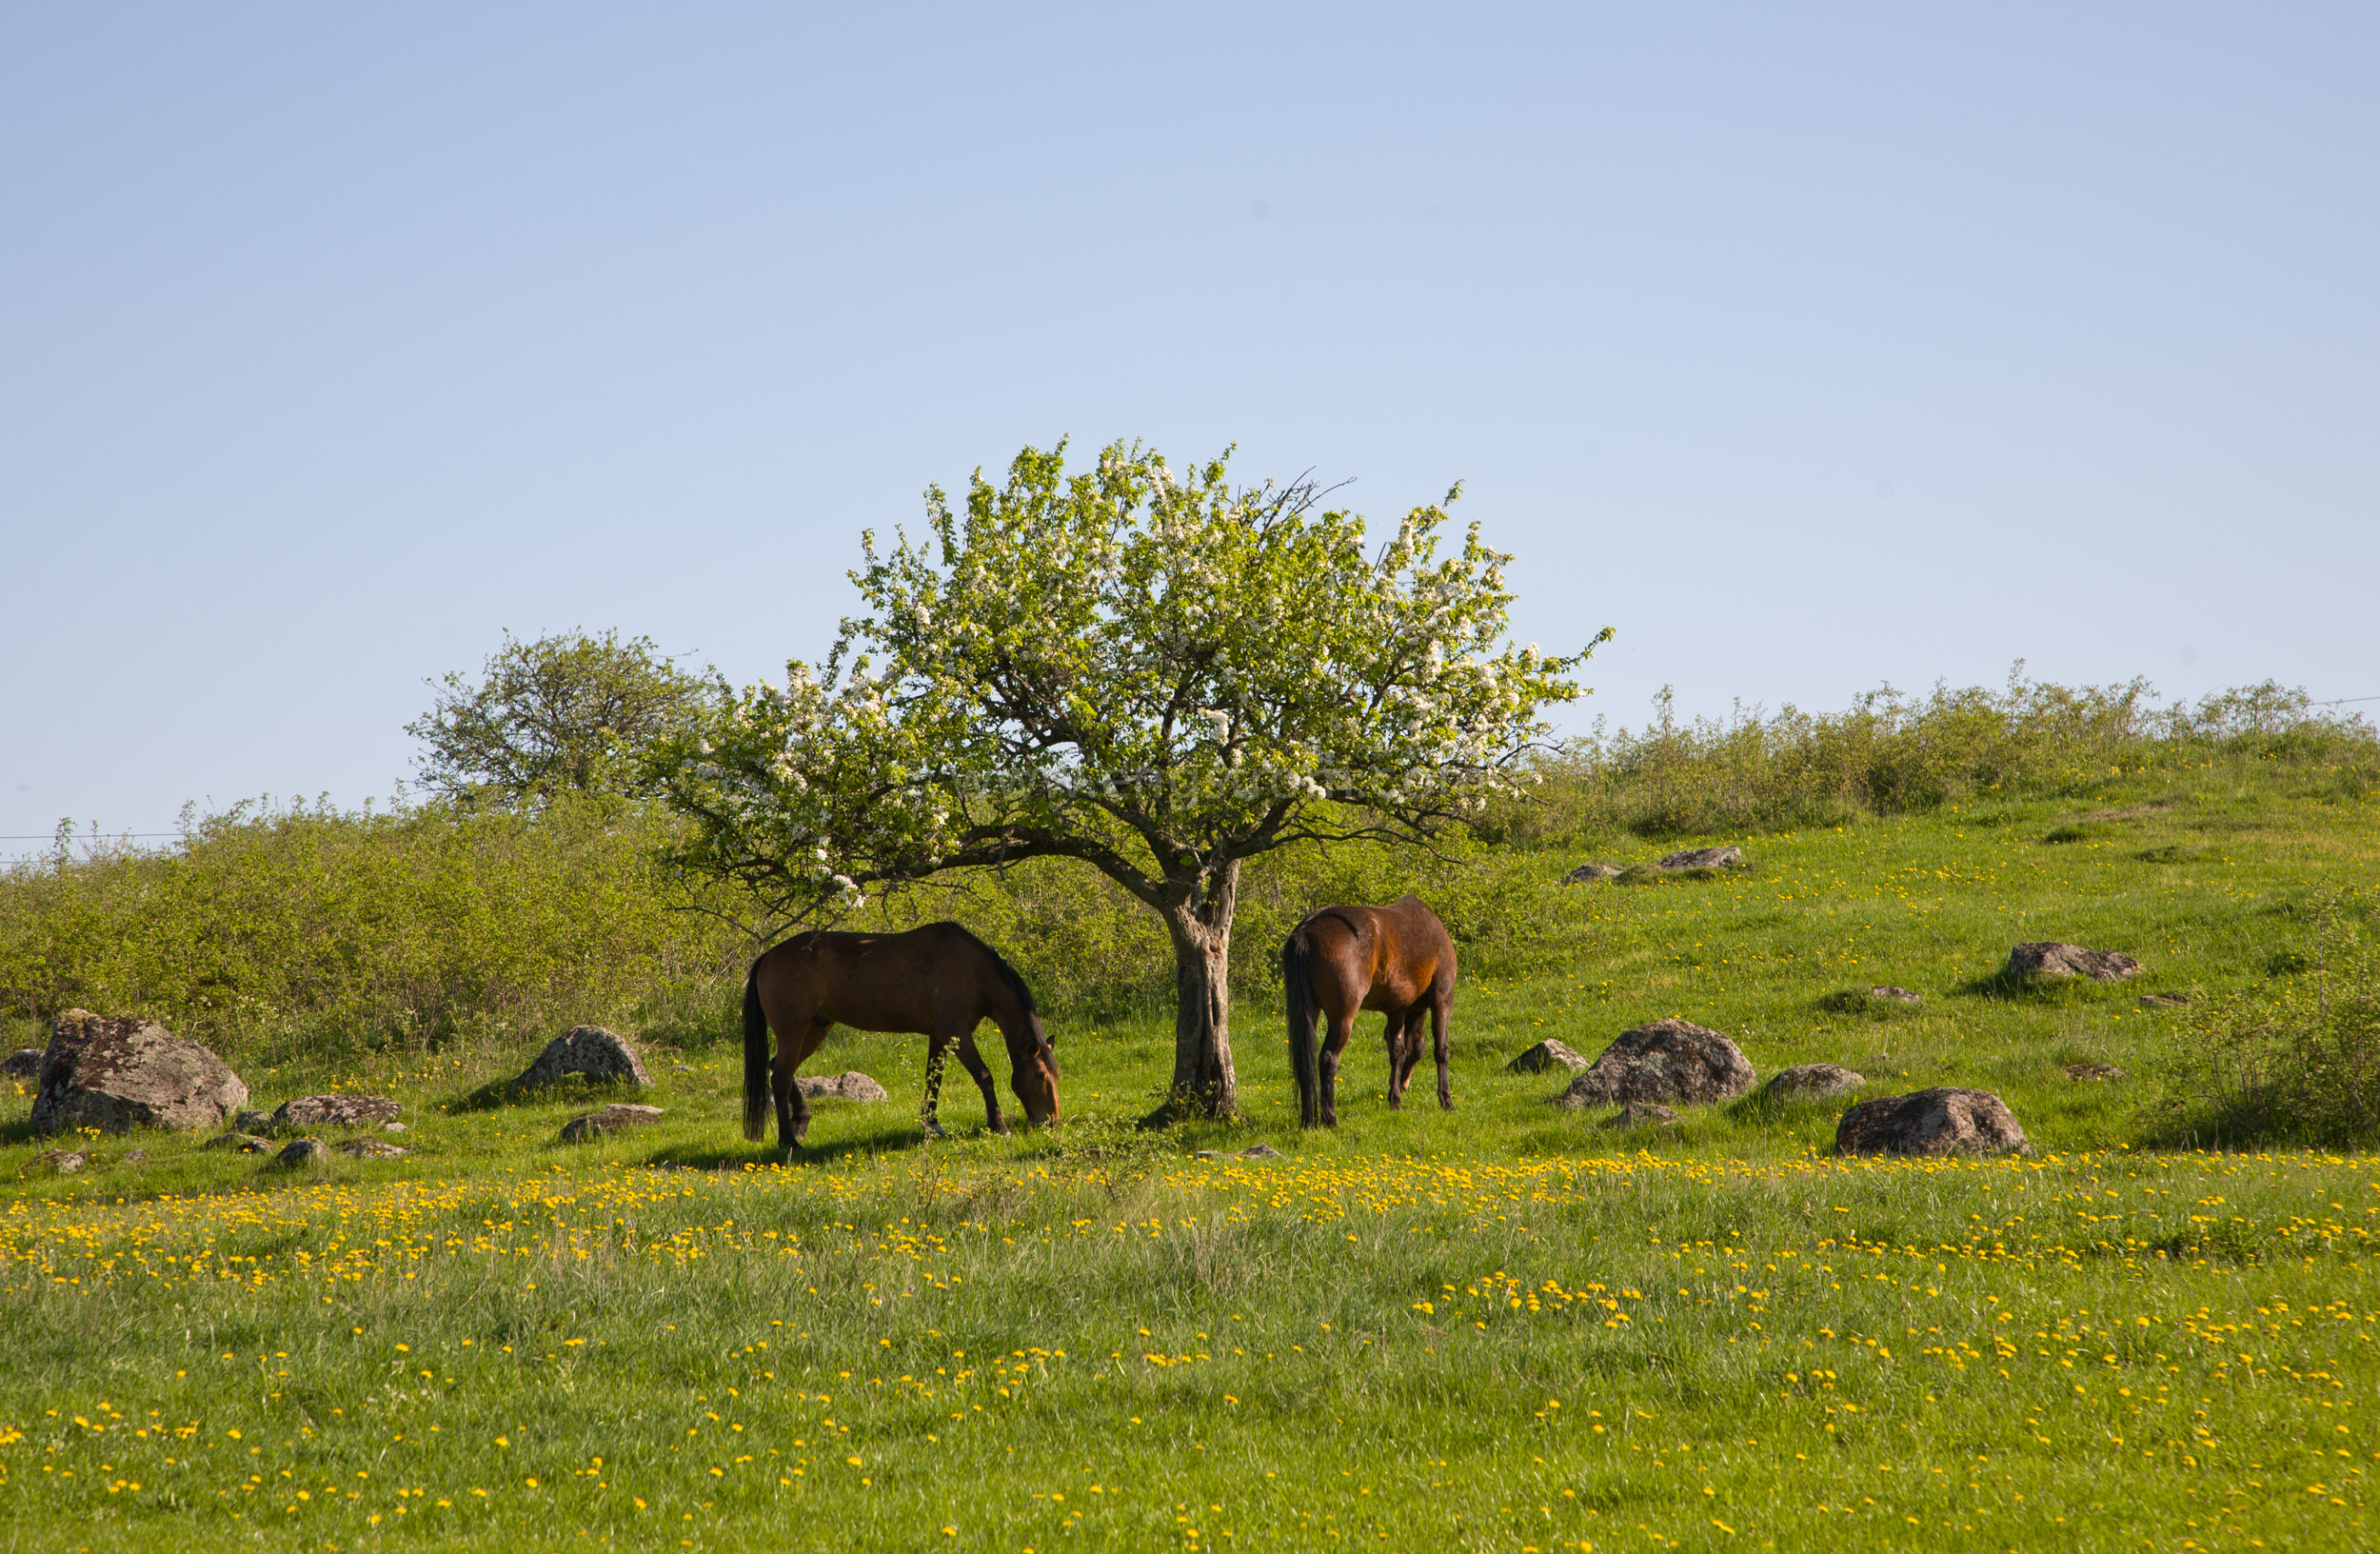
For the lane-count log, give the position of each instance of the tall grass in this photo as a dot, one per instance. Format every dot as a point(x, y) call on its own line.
point(1893, 753)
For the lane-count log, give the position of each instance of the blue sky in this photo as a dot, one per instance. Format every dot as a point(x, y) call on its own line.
point(1809, 347)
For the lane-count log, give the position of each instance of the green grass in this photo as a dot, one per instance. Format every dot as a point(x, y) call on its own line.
point(1721, 1337)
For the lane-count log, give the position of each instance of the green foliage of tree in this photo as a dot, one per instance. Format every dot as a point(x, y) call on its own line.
point(1159, 676)
point(565, 713)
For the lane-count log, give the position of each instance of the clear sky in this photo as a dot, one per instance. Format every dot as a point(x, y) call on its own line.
point(1809, 346)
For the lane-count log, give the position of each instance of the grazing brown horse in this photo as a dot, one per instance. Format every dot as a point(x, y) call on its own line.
point(939, 980)
point(1396, 959)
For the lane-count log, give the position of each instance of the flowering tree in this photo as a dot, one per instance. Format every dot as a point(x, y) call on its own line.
point(1158, 675)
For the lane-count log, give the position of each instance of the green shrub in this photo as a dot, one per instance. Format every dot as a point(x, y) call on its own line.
point(2296, 1060)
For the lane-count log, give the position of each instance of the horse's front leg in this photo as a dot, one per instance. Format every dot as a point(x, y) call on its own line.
point(981, 1073)
point(936, 1046)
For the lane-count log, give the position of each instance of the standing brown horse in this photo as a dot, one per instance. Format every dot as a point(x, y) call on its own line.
point(1396, 959)
point(939, 980)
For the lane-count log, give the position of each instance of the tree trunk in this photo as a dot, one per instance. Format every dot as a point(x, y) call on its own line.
point(1205, 1083)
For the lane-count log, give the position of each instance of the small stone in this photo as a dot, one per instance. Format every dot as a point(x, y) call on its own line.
point(1945, 1121)
point(1669, 1060)
point(372, 1149)
point(1640, 1114)
point(2163, 1001)
point(1814, 1081)
point(393, 1127)
point(591, 1052)
point(1589, 873)
point(1545, 1057)
point(1729, 857)
point(333, 1111)
point(2084, 1072)
point(63, 1161)
point(24, 1063)
point(610, 1120)
point(853, 1086)
point(247, 1144)
point(303, 1152)
point(683, 1068)
point(1260, 1151)
point(2050, 961)
point(1207, 1154)
point(134, 1157)
point(1898, 995)
point(118, 1073)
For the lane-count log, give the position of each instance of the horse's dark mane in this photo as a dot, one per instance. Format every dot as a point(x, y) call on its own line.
point(1008, 974)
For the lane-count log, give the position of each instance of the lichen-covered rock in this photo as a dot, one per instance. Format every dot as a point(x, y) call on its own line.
point(247, 1144)
point(303, 1152)
point(853, 1086)
point(63, 1161)
point(1640, 1114)
point(1589, 873)
point(118, 1074)
point(24, 1063)
point(1545, 1057)
point(252, 1121)
point(2045, 960)
point(612, 1119)
point(591, 1052)
point(1729, 857)
point(1670, 1062)
point(372, 1149)
point(393, 1127)
point(1898, 995)
point(1813, 1082)
point(334, 1111)
point(1945, 1121)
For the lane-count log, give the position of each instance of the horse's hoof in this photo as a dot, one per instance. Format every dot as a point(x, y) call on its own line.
point(934, 1130)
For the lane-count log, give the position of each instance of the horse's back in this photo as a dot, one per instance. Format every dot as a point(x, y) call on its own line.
point(1388, 956)
point(899, 981)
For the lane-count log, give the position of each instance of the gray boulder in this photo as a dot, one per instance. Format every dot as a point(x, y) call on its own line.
point(853, 1086)
point(303, 1152)
point(1640, 1114)
point(590, 1051)
point(612, 1118)
point(1668, 1061)
point(1813, 1082)
point(118, 1074)
point(24, 1063)
point(2050, 961)
point(64, 1160)
point(1545, 1057)
point(1729, 857)
point(1589, 873)
point(252, 1121)
point(334, 1111)
point(372, 1149)
point(1945, 1121)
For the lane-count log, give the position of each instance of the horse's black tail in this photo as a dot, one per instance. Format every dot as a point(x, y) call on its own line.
point(755, 1058)
point(1297, 959)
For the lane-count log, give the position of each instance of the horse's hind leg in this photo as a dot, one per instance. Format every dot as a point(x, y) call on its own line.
point(981, 1073)
point(1399, 1066)
point(1343, 1029)
point(1408, 1048)
point(793, 1107)
point(1440, 1010)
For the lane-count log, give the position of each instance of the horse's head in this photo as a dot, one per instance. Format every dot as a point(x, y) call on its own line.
point(1034, 1074)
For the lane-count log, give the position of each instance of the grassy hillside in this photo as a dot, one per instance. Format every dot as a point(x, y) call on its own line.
point(1499, 1328)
